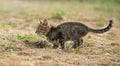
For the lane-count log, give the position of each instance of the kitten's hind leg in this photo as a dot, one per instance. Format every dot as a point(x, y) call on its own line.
point(80, 42)
point(76, 43)
point(62, 43)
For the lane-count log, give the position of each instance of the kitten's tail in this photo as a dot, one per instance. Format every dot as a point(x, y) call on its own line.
point(102, 30)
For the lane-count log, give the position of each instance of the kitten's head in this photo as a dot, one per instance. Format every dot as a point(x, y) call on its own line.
point(43, 27)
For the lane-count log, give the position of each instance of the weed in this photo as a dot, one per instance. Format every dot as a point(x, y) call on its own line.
point(78, 50)
point(58, 14)
point(89, 43)
point(29, 37)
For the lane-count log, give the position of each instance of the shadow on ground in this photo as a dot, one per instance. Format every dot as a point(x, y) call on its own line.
point(36, 44)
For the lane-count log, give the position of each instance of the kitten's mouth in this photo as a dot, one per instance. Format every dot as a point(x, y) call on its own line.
point(36, 32)
point(39, 33)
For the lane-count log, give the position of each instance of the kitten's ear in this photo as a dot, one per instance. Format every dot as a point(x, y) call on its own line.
point(40, 21)
point(45, 22)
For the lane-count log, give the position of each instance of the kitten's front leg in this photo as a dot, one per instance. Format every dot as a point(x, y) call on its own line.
point(55, 44)
point(77, 43)
point(80, 42)
point(62, 42)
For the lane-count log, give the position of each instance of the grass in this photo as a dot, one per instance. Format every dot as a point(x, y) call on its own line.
point(111, 36)
point(12, 47)
point(79, 50)
point(29, 37)
point(10, 44)
point(17, 24)
point(4, 10)
point(24, 14)
point(8, 25)
point(105, 9)
point(103, 50)
point(101, 1)
point(58, 14)
point(116, 49)
point(89, 43)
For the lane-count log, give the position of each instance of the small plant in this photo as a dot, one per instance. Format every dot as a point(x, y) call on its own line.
point(78, 50)
point(58, 14)
point(29, 37)
point(89, 43)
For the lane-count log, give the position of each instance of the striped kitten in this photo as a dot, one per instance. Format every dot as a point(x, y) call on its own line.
point(67, 31)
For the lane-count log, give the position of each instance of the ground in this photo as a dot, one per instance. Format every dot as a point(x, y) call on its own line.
point(20, 46)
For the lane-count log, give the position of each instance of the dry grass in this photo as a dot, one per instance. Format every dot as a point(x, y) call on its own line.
point(20, 46)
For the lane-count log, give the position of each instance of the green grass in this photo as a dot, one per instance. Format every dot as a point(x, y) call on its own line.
point(101, 1)
point(8, 24)
point(10, 44)
point(106, 9)
point(79, 50)
point(29, 37)
point(89, 43)
point(18, 23)
point(12, 47)
point(58, 14)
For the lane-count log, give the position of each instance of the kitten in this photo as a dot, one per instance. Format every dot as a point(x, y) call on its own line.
point(67, 31)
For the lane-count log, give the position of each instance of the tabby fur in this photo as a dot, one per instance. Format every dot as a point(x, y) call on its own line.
point(67, 31)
